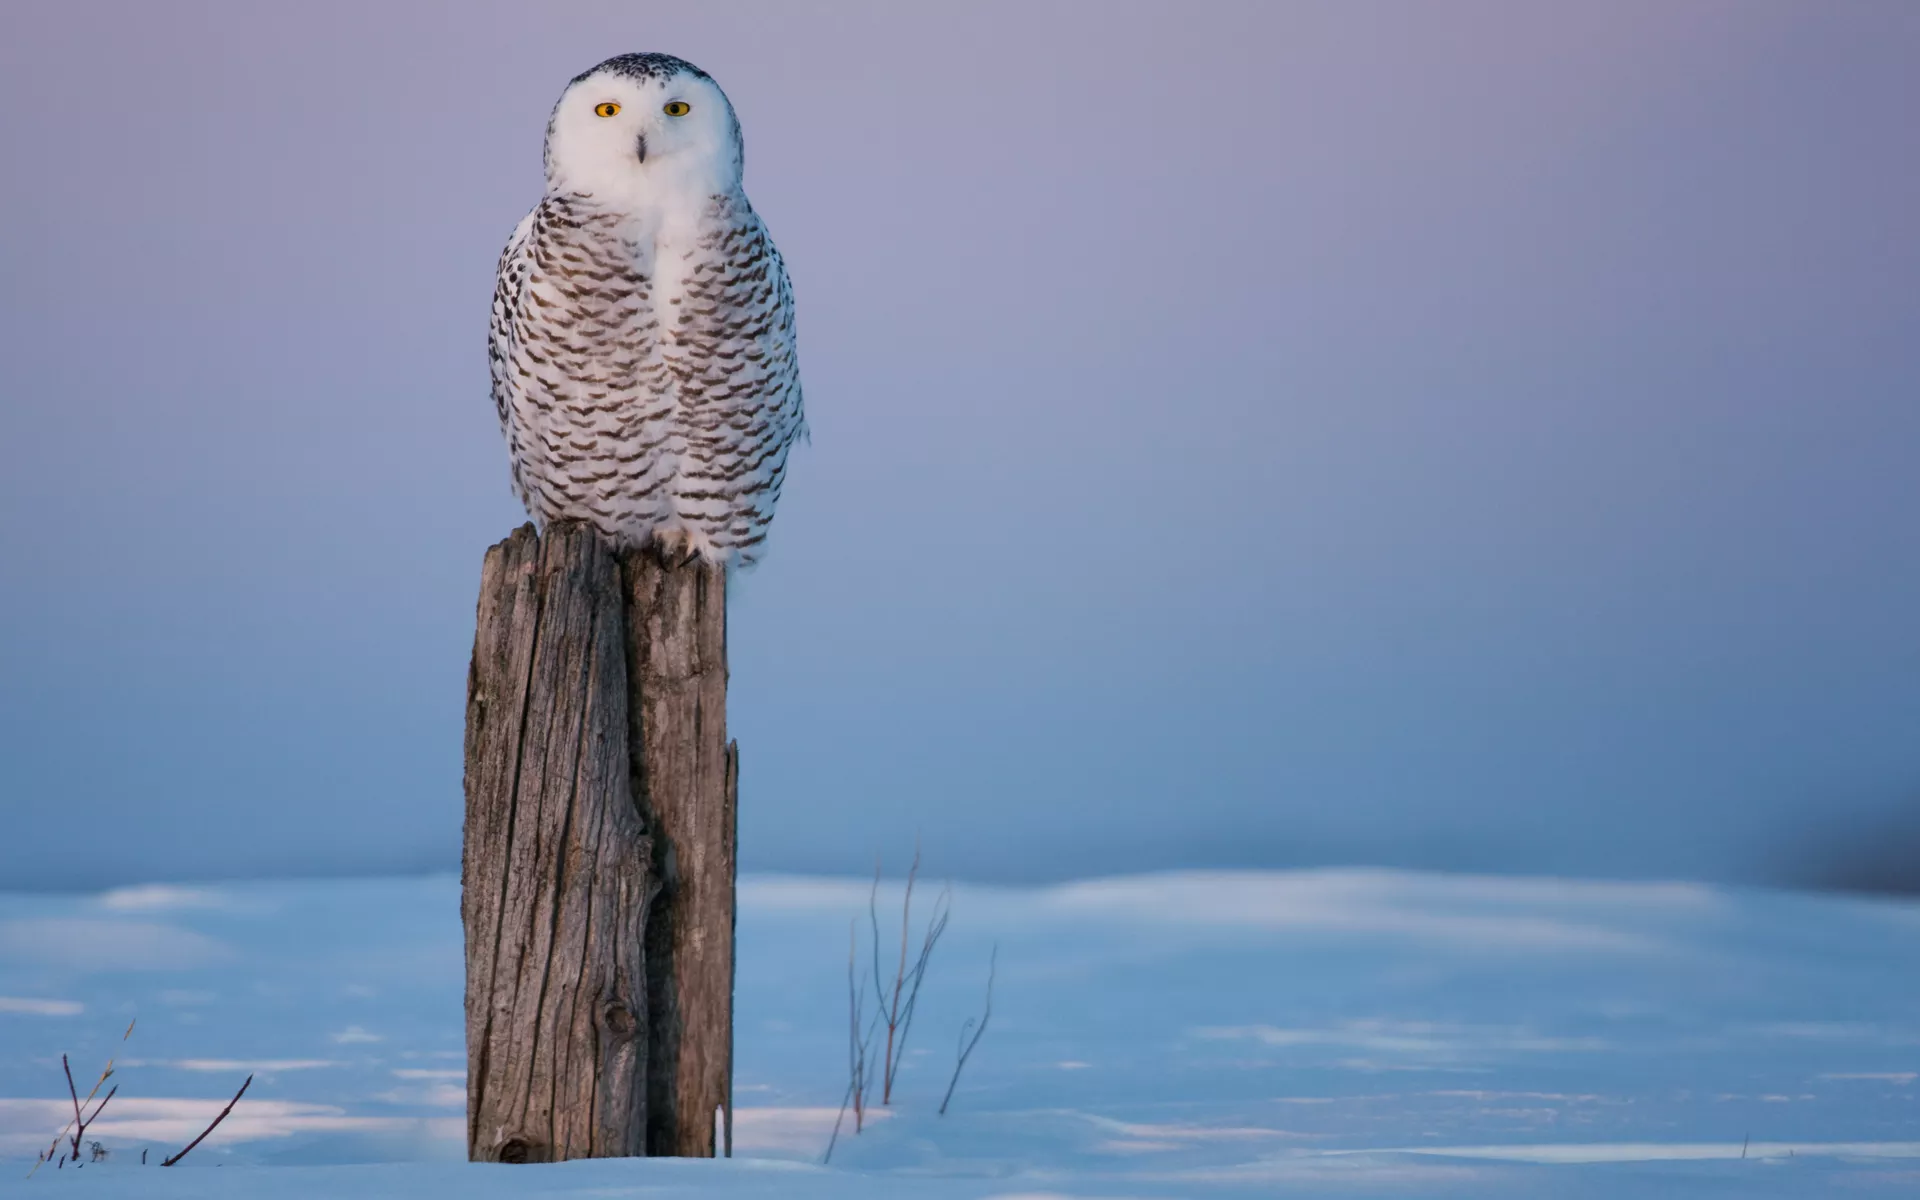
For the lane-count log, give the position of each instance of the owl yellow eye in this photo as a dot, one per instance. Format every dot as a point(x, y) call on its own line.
point(609, 109)
point(677, 108)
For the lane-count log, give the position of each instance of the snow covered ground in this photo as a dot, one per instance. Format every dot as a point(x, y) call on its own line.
point(1342, 1034)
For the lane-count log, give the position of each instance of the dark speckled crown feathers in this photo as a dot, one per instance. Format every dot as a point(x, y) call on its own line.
point(644, 66)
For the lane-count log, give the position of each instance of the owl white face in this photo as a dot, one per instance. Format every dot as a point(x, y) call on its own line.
point(622, 136)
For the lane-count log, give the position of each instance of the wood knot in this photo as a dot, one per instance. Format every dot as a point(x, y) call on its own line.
point(515, 1150)
point(618, 1019)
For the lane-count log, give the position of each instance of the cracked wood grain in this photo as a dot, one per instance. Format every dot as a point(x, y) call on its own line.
point(599, 859)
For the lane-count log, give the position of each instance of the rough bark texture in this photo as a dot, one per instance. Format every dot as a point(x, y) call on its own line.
point(556, 874)
point(686, 769)
point(597, 878)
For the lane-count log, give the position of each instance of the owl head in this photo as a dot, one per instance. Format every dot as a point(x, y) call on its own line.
point(640, 125)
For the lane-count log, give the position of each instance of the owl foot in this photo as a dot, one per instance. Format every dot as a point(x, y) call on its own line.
point(671, 545)
point(679, 547)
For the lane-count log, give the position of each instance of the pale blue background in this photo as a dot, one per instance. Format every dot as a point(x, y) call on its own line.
point(1472, 435)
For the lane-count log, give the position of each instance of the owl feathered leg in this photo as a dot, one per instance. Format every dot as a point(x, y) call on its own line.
point(679, 545)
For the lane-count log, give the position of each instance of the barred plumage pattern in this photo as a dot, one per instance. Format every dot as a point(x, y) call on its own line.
point(648, 386)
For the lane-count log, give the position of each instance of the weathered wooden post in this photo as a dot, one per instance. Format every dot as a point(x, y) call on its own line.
point(597, 882)
point(687, 776)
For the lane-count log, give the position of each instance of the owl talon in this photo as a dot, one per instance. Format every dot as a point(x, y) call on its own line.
point(670, 544)
point(676, 548)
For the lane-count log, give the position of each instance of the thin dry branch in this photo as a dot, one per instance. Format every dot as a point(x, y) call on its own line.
point(91, 1118)
point(834, 1140)
point(80, 1124)
point(968, 1043)
point(916, 976)
point(95, 1115)
point(898, 1009)
point(858, 1045)
point(77, 1124)
point(167, 1162)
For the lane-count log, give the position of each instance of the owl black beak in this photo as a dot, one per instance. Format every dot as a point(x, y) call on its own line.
point(640, 147)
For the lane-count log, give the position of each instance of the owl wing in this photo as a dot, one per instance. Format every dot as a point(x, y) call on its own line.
point(509, 278)
point(503, 339)
point(738, 377)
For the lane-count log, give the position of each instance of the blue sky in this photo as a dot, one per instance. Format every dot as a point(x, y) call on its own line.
point(1472, 435)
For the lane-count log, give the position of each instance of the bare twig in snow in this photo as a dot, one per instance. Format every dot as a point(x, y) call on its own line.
point(858, 1044)
point(95, 1115)
point(976, 1029)
point(167, 1162)
point(80, 1126)
point(77, 1124)
point(898, 1009)
point(841, 1116)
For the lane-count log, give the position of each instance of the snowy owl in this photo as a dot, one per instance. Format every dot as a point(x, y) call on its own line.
point(642, 341)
